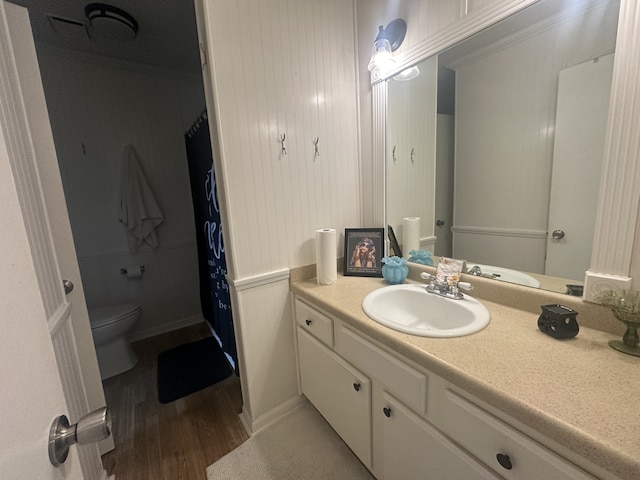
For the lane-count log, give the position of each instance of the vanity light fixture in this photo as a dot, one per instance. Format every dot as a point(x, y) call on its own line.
point(387, 41)
point(109, 22)
point(407, 74)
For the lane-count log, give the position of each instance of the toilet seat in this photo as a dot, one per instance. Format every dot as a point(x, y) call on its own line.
point(103, 316)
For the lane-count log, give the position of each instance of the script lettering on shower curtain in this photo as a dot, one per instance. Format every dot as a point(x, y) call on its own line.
point(213, 233)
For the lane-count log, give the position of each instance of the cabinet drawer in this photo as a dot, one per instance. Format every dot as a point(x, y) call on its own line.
point(486, 437)
point(314, 322)
point(406, 383)
point(340, 393)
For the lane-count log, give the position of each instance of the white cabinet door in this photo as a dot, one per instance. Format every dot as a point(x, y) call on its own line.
point(413, 449)
point(340, 393)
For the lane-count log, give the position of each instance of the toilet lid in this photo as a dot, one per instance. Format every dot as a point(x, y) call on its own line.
point(102, 316)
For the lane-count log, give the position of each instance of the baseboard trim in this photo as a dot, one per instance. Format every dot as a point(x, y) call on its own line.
point(166, 327)
point(273, 415)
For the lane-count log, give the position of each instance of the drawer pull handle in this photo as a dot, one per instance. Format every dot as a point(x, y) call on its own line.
point(356, 386)
point(387, 412)
point(504, 461)
point(308, 322)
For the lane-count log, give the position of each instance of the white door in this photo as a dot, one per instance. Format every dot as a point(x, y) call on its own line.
point(31, 393)
point(581, 120)
point(38, 333)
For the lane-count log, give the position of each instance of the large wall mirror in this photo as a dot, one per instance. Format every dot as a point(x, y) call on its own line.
point(498, 144)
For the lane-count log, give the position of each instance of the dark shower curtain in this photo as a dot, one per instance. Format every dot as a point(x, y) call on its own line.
point(214, 290)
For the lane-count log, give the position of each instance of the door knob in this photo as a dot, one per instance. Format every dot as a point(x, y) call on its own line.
point(91, 428)
point(439, 223)
point(557, 234)
point(68, 286)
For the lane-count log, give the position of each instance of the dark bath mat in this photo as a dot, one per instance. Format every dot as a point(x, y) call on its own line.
point(189, 368)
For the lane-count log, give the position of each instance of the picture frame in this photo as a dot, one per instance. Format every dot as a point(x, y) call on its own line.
point(363, 252)
point(394, 242)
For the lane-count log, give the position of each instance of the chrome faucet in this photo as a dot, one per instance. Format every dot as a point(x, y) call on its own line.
point(448, 288)
point(476, 270)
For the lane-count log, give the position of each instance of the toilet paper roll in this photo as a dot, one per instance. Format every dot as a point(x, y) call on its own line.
point(134, 271)
point(410, 235)
point(326, 259)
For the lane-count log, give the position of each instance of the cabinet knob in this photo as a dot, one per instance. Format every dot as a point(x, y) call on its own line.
point(504, 461)
point(387, 411)
point(307, 321)
point(356, 386)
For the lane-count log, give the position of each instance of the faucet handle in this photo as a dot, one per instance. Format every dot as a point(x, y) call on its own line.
point(427, 276)
point(465, 286)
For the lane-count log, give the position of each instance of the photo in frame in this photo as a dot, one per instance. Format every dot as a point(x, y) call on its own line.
point(363, 251)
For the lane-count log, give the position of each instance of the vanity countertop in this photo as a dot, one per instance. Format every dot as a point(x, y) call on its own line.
point(579, 392)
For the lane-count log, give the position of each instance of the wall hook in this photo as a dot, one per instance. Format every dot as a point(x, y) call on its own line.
point(284, 146)
point(393, 154)
point(317, 150)
point(411, 154)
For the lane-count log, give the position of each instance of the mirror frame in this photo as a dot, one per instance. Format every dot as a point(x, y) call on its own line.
point(614, 235)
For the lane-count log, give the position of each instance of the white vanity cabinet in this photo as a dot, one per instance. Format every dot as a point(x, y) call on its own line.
point(403, 421)
point(336, 389)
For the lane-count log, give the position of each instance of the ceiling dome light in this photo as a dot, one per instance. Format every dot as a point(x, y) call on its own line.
point(111, 23)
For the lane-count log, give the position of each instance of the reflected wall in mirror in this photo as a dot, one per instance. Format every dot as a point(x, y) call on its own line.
point(520, 120)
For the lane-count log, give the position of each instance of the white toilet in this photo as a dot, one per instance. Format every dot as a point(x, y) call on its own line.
point(110, 325)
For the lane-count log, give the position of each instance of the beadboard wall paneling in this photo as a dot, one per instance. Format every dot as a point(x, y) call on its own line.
point(291, 73)
point(96, 106)
point(263, 321)
point(411, 150)
point(425, 18)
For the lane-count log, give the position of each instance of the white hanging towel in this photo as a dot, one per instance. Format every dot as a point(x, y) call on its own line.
point(139, 209)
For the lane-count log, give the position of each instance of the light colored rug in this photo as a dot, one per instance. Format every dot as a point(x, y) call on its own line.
point(302, 445)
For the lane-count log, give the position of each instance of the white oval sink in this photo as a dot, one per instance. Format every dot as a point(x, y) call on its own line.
point(410, 309)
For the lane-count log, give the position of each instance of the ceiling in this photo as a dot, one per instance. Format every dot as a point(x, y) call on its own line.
point(166, 36)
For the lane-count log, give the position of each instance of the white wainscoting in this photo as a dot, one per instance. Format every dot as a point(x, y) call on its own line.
point(263, 320)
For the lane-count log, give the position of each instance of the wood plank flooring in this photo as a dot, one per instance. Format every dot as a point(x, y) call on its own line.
point(174, 441)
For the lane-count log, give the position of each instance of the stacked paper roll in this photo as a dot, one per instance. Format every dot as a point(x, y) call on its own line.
point(326, 259)
point(410, 235)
